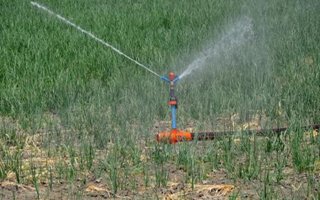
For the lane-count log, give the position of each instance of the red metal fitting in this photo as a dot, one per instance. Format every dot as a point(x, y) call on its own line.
point(172, 76)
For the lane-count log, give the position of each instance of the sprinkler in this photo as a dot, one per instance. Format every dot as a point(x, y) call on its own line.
point(175, 135)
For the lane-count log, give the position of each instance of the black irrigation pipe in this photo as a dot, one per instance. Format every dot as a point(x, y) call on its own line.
point(259, 132)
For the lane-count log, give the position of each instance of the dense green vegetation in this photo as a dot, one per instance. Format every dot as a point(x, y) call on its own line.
point(89, 103)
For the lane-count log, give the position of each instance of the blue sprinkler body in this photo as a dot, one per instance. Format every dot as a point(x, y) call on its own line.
point(172, 79)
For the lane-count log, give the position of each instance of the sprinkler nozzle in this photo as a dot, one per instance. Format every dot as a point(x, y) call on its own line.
point(170, 77)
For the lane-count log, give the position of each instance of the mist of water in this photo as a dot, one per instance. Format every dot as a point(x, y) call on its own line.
point(235, 36)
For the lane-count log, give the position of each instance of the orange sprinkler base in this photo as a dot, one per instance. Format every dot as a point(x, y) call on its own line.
point(174, 136)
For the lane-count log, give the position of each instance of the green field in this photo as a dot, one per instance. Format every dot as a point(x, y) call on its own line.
point(78, 120)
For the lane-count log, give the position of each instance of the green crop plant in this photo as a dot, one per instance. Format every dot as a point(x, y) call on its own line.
point(86, 156)
point(267, 192)
point(146, 175)
point(183, 155)
point(187, 160)
point(160, 156)
point(16, 164)
point(35, 180)
point(3, 173)
point(250, 169)
point(211, 156)
point(303, 155)
point(280, 163)
point(228, 156)
point(60, 170)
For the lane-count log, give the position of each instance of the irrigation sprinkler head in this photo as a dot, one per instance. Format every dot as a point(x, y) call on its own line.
point(172, 78)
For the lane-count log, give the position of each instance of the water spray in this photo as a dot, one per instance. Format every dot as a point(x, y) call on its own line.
point(88, 33)
point(229, 42)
